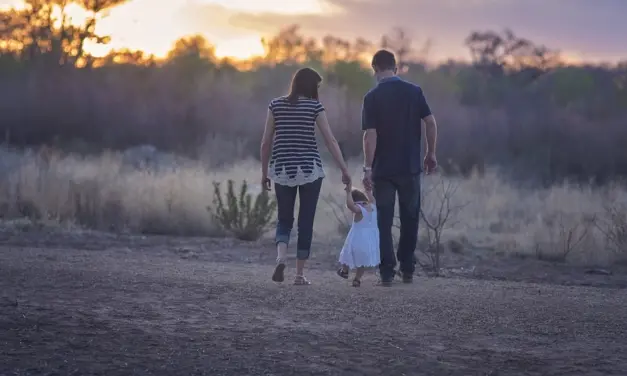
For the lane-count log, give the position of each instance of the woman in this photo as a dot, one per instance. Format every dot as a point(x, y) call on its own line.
point(290, 157)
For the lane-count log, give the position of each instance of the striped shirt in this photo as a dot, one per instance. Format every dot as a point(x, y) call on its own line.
point(295, 157)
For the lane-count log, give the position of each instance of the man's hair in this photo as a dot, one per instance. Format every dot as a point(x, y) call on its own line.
point(383, 60)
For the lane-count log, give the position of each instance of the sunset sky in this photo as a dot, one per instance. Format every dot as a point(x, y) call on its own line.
point(581, 29)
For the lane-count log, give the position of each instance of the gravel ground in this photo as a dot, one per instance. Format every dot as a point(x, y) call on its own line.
point(124, 309)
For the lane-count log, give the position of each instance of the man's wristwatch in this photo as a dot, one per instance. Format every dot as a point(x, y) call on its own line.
point(366, 169)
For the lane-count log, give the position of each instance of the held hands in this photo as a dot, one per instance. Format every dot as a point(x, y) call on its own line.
point(346, 179)
point(367, 180)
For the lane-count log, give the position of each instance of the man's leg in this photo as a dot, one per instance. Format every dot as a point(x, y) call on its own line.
point(286, 198)
point(384, 192)
point(308, 195)
point(409, 210)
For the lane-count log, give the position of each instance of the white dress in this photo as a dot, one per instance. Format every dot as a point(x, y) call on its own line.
point(361, 248)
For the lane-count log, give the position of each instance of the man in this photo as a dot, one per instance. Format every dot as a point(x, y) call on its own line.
point(392, 116)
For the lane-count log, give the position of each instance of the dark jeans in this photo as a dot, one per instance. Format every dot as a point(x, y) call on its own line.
point(385, 190)
point(286, 199)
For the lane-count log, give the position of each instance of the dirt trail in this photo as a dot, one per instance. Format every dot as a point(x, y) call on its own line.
point(121, 311)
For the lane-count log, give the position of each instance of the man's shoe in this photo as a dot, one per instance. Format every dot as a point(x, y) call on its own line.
point(408, 278)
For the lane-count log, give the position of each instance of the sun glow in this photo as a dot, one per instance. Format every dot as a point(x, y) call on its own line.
point(8, 4)
point(240, 48)
point(141, 25)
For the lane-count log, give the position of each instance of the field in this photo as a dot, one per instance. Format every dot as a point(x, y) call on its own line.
point(126, 305)
point(98, 281)
point(154, 193)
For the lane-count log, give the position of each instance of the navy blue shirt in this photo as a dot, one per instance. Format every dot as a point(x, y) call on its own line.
point(395, 109)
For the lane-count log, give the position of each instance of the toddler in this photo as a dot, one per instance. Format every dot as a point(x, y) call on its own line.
point(361, 248)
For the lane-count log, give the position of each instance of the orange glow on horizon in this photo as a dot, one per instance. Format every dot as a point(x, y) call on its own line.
point(142, 26)
point(240, 48)
point(139, 25)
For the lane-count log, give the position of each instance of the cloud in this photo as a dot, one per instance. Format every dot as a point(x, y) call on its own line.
point(212, 20)
point(591, 29)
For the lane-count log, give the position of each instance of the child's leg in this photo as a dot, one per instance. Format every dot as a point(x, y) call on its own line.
point(358, 274)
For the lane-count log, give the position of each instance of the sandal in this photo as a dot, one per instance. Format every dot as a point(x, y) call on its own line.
point(300, 280)
point(356, 283)
point(343, 273)
point(279, 275)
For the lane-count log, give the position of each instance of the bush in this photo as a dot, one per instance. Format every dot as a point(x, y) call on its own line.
point(238, 216)
point(613, 225)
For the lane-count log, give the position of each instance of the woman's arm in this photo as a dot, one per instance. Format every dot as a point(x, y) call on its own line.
point(329, 139)
point(266, 143)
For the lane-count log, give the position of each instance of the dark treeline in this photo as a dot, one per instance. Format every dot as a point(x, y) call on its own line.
point(516, 105)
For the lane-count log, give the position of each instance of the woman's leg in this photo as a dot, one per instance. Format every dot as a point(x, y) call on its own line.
point(286, 198)
point(308, 198)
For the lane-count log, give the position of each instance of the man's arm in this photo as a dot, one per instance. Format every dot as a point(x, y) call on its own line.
point(370, 144)
point(431, 127)
point(431, 133)
point(368, 125)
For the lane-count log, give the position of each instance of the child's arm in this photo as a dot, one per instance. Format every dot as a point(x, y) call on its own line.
point(350, 204)
point(370, 196)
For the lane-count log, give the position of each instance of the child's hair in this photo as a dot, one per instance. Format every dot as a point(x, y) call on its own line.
point(358, 196)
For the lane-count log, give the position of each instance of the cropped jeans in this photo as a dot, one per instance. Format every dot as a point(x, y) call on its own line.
point(308, 195)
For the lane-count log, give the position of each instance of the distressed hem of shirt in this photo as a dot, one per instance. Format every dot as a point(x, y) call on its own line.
point(281, 177)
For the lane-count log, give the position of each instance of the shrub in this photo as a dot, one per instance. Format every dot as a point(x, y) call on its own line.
point(566, 232)
point(237, 214)
point(613, 225)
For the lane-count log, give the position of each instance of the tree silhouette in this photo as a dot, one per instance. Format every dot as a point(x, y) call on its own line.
point(42, 32)
point(290, 46)
point(126, 57)
point(498, 52)
point(401, 44)
point(192, 47)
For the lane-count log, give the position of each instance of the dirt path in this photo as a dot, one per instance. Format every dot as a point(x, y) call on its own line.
point(121, 311)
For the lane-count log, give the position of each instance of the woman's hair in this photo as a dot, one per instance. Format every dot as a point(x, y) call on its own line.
point(304, 84)
point(358, 196)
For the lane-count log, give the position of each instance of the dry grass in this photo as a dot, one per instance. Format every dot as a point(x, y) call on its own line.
point(561, 223)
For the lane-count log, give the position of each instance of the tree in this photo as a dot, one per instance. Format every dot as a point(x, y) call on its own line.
point(126, 57)
point(497, 53)
point(42, 32)
point(96, 10)
point(399, 43)
point(193, 53)
point(289, 46)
